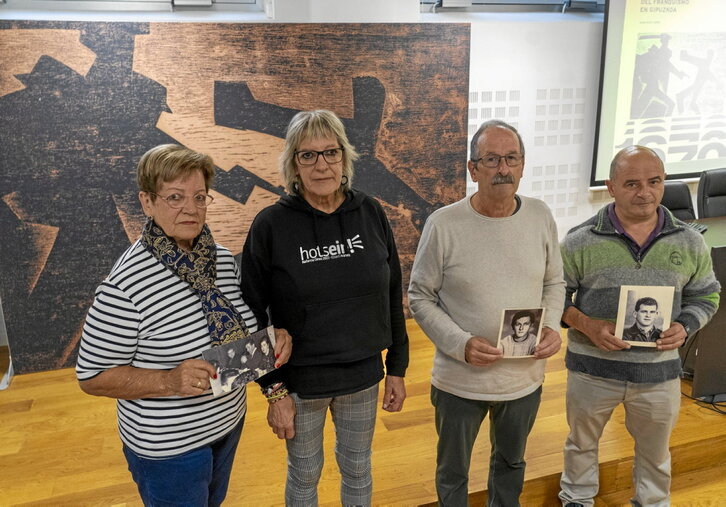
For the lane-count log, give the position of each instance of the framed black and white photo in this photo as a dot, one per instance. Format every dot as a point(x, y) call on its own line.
point(520, 331)
point(643, 313)
point(242, 361)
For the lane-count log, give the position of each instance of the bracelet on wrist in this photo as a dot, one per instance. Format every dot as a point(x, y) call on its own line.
point(269, 390)
point(278, 397)
point(275, 392)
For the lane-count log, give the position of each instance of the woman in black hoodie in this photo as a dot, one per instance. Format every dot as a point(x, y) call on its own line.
point(322, 263)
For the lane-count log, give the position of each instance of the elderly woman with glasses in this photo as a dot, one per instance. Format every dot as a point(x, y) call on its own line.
point(171, 295)
point(322, 262)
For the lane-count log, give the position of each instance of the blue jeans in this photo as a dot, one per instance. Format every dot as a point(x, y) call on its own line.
point(193, 479)
point(457, 423)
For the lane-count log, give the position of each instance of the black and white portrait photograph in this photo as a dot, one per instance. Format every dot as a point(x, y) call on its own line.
point(519, 332)
point(643, 313)
point(242, 361)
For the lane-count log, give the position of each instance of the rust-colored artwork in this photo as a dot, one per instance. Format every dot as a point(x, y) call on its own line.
point(81, 102)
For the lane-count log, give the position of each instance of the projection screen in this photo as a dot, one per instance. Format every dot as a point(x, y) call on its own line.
point(663, 84)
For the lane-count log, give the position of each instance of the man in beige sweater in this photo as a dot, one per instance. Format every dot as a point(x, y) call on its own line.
point(470, 265)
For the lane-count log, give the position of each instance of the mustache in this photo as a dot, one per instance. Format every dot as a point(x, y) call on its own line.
point(501, 179)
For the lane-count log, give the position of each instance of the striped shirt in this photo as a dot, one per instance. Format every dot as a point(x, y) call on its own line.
point(143, 315)
point(598, 260)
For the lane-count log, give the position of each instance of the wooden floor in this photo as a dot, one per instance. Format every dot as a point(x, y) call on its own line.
point(59, 447)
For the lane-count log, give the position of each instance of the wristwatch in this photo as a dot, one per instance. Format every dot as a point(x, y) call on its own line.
point(685, 326)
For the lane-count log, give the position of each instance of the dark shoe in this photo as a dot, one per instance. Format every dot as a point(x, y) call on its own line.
point(574, 504)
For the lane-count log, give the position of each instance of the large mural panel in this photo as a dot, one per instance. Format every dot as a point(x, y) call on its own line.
point(81, 102)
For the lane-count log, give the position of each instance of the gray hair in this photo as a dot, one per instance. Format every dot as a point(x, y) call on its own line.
point(310, 125)
point(474, 149)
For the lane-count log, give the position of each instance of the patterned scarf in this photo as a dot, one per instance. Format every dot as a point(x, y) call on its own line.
point(199, 269)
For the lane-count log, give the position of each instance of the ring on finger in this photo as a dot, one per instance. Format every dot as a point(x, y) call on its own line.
point(199, 383)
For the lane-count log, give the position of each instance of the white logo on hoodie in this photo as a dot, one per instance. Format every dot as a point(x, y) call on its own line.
point(333, 251)
point(354, 242)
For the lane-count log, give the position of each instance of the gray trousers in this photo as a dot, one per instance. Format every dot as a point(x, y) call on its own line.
point(651, 412)
point(354, 418)
point(457, 423)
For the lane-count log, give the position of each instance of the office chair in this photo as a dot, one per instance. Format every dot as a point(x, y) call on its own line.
point(711, 198)
point(677, 198)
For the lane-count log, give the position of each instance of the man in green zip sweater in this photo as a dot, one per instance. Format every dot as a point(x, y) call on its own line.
point(632, 241)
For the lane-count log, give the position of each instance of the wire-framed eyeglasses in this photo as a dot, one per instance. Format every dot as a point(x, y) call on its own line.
point(310, 157)
point(492, 160)
point(176, 201)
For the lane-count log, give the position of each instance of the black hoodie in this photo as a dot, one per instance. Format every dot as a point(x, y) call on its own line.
point(334, 282)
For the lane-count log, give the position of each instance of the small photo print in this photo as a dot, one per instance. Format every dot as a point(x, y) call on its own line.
point(242, 361)
point(520, 331)
point(643, 313)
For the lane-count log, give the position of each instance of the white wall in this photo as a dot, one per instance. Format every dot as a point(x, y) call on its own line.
point(285, 11)
point(542, 76)
point(344, 11)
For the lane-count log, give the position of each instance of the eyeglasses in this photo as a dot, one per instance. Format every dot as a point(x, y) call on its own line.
point(310, 157)
point(492, 161)
point(176, 201)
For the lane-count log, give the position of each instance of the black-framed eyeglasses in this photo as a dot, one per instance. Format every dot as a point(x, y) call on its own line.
point(492, 161)
point(176, 201)
point(310, 157)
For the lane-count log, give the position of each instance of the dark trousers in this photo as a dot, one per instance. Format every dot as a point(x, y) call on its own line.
point(457, 423)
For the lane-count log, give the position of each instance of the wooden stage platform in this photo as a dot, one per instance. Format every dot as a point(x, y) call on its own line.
point(60, 447)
